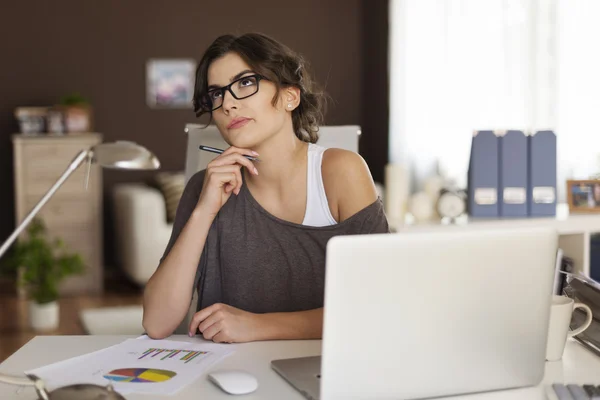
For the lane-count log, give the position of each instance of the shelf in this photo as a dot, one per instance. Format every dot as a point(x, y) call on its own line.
point(54, 136)
point(574, 230)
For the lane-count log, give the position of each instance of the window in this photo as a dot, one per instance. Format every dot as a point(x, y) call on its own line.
point(457, 66)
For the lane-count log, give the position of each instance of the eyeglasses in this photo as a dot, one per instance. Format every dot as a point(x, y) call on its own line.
point(241, 88)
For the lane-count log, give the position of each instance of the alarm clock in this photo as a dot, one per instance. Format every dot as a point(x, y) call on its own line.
point(452, 203)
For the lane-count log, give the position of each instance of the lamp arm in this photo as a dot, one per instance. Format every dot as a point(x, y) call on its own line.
point(82, 156)
point(15, 380)
point(31, 380)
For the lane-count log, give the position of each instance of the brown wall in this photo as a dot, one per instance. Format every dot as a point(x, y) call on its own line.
point(99, 49)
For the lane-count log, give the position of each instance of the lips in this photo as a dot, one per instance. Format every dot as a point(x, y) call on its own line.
point(238, 123)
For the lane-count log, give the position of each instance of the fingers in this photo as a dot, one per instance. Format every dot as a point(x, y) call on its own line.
point(213, 330)
point(222, 337)
point(238, 150)
point(227, 176)
point(193, 328)
point(211, 323)
point(233, 158)
point(201, 316)
point(208, 322)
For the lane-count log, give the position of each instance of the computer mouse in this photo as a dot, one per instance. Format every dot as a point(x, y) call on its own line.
point(234, 381)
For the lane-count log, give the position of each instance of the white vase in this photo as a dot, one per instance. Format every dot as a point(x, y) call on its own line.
point(397, 192)
point(43, 317)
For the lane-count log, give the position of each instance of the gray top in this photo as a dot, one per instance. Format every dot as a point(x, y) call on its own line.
point(259, 263)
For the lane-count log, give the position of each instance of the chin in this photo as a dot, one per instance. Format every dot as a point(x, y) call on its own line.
point(244, 139)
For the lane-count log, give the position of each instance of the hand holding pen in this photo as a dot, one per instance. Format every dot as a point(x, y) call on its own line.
point(224, 177)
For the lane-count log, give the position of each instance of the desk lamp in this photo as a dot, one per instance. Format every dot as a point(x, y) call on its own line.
point(116, 155)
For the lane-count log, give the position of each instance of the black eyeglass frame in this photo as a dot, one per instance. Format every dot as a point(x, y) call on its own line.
point(208, 102)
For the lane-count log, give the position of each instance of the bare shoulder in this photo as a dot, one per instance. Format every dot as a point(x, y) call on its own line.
point(348, 183)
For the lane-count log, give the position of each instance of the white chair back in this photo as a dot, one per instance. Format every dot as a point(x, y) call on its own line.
point(343, 137)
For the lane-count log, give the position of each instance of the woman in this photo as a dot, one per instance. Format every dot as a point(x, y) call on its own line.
point(250, 236)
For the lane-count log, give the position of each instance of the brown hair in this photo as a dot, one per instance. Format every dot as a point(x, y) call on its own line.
point(278, 64)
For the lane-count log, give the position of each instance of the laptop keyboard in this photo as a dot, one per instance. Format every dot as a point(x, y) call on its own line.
point(558, 391)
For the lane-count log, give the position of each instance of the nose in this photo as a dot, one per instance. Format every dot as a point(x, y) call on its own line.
point(229, 101)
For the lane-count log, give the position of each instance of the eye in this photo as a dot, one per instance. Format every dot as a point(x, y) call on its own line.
point(214, 95)
point(244, 82)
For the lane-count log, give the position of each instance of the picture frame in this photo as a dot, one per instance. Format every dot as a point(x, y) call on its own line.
point(170, 82)
point(583, 196)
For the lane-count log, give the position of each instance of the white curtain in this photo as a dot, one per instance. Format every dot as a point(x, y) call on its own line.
point(457, 66)
point(578, 102)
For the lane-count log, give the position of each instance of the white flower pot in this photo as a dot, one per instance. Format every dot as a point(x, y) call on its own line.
point(43, 317)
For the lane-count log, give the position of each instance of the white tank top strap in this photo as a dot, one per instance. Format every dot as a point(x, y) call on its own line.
point(317, 207)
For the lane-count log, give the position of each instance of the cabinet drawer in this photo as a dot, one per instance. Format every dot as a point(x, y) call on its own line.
point(38, 182)
point(66, 210)
point(76, 237)
point(63, 152)
point(45, 164)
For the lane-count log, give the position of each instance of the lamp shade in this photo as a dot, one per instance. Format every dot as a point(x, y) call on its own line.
point(124, 155)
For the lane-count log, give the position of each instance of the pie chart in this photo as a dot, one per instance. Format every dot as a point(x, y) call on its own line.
point(139, 375)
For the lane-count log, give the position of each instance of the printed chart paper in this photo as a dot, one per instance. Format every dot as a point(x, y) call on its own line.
point(137, 365)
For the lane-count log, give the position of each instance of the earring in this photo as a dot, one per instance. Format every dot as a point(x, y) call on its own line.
point(289, 106)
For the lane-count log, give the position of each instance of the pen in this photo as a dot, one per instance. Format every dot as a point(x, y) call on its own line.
point(219, 151)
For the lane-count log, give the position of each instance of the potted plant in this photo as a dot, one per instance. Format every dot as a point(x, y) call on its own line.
point(77, 113)
point(41, 265)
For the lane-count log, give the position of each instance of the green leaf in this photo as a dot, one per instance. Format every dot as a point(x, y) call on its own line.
point(45, 263)
point(73, 99)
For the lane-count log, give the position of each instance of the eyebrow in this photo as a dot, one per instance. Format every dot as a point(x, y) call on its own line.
point(233, 78)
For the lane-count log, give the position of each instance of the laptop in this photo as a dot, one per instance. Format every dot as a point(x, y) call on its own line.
point(429, 314)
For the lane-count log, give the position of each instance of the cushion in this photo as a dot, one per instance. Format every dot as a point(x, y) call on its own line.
point(171, 185)
point(121, 320)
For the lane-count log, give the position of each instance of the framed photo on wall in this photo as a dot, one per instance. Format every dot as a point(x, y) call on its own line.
point(170, 83)
point(584, 196)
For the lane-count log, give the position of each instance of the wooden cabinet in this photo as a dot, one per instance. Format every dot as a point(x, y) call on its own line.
point(74, 214)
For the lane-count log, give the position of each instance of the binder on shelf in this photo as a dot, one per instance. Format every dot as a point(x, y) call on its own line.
point(541, 193)
point(483, 175)
point(595, 257)
point(512, 188)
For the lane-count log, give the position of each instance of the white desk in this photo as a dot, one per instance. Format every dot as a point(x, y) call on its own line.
point(577, 366)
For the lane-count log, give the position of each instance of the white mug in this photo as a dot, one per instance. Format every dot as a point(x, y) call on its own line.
point(558, 331)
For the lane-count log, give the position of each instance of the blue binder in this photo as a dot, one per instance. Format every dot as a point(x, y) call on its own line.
point(483, 175)
point(542, 174)
point(512, 192)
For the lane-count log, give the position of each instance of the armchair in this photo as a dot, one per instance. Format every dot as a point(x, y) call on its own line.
point(141, 229)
